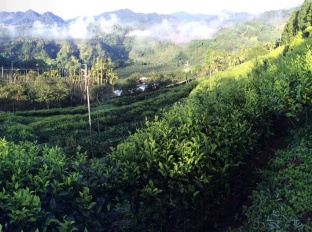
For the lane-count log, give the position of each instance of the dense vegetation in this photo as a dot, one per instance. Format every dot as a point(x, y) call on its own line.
point(124, 50)
point(171, 174)
point(112, 121)
point(299, 22)
point(160, 176)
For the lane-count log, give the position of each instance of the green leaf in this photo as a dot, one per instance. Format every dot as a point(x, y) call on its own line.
point(52, 203)
point(63, 193)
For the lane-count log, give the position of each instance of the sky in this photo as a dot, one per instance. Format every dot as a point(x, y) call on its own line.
point(68, 9)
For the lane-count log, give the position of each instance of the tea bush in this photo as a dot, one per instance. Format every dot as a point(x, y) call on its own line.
point(111, 122)
point(282, 201)
point(159, 176)
point(42, 188)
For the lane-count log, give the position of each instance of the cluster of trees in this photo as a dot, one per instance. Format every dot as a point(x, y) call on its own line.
point(300, 22)
point(102, 75)
point(53, 88)
point(23, 89)
point(219, 61)
point(32, 52)
point(34, 92)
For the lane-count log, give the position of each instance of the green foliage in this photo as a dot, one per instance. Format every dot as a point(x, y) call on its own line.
point(206, 136)
point(128, 71)
point(159, 177)
point(46, 90)
point(255, 52)
point(102, 71)
point(299, 21)
point(43, 189)
point(14, 93)
point(282, 201)
point(111, 121)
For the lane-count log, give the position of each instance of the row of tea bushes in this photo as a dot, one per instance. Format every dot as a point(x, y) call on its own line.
point(42, 189)
point(111, 122)
point(282, 202)
point(159, 177)
point(182, 161)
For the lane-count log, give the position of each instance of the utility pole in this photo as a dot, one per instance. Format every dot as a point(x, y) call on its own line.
point(187, 69)
point(12, 70)
point(85, 71)
point(279, 44)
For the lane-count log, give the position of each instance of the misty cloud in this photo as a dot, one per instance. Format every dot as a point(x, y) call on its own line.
point(88, 27)
point(183, 32)
point(107, 26)
point(77, 29)
point(178, 33)
point(80, 28)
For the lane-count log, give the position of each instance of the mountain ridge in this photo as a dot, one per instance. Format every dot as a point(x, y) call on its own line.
point(28, 17)
point(178, 26)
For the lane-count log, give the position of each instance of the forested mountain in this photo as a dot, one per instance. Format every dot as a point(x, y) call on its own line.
point(131, 18)
point(128, 19)
point(228, 16)
point(135, 37)
point(126, 16)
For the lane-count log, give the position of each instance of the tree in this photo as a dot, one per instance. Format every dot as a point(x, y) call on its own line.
point(210, 61)
point(67, 53)
point(4, 61)
point(102, 73)
point(40, 92)
point(298, 22)
point(304, 16)
point(14, 93)
point(256, 51)
point(32, 75)
point(188, 69)
point(60, 90)
point(99, 92)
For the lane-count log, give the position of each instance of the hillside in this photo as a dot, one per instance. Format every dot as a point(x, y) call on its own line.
point(208, 138)
point(229, 151)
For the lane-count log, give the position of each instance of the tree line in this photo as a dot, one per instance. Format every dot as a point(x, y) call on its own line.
point(35, 88)
point(300, 21)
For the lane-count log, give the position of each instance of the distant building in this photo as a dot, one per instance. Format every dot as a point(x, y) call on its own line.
point(117, 93)
point(142, 88)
